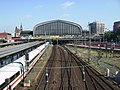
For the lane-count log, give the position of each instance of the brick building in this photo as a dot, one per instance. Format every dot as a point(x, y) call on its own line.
point(6, 36)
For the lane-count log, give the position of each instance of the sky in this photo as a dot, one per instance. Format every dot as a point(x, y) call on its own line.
point(31, 12)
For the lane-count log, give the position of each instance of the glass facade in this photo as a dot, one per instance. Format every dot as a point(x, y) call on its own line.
point(97, 28)
point(57, 27)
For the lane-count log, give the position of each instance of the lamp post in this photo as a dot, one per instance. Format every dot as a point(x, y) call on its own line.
point(46, 77)
point(106, 48)
point(75, 45)
point(45, 36)
point(26, 64)
point(99, 56)
point(89, 51)
point(85, 39)
point(113, 46)
point(107, 30)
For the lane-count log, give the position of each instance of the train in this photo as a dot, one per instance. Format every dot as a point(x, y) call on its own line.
point(12, 74)
point(101, 44)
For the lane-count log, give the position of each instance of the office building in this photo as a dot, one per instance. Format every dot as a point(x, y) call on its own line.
point(116, 26)
point(96, 28)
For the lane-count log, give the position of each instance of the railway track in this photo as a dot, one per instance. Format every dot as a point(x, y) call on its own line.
point(65, 71)
point(41, 83)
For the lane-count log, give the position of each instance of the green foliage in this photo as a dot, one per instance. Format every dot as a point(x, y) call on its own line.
point(118, 32)
point(108, 34)
point(112, 36)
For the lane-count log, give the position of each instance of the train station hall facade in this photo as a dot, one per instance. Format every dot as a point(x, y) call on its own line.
point(57, 27)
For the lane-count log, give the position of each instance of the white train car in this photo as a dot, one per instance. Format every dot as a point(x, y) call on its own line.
point(8, 74)
point(12, 74)
point(34, 55)
point(117, 77)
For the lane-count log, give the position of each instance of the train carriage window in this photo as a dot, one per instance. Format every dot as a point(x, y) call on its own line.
point(14, 76)
point(3, 85)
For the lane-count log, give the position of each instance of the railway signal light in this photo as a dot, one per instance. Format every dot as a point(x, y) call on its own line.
point(46, 75)
point(107, 72)
point(83, 71)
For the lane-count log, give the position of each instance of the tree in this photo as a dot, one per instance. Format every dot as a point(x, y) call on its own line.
point(108, 35)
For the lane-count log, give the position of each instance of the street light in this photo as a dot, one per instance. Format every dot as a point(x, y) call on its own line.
point(112, 48)
point(107, 29)
point(85, 38)
point(105, 45)
point(75, 45)
point(45, 36)
point(99, 53)
point(89, 51)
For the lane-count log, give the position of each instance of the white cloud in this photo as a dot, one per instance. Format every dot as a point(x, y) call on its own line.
point(68, 4)
point(28, 16)
point(65, 15)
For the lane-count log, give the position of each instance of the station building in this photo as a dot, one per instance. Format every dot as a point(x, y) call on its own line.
point(57, 27)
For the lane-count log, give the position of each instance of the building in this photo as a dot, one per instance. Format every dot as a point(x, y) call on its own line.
point(26, 34)
point(57, 27)
point(96, 28)
point(85, 33)
point(16, 39)
point(6, 36)
point(18, 31)
point(116, 26)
